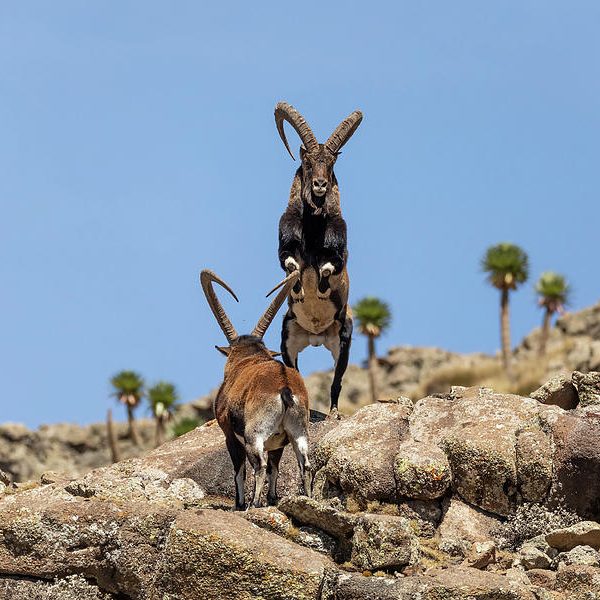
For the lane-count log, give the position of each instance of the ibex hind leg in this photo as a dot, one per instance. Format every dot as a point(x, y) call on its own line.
point(300, 445)
point(258, 460)
point(340, 352)
point(237, 454)
point(273, 474)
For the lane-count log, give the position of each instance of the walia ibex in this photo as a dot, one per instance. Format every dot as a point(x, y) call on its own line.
point(262, 405)
point(312, 241)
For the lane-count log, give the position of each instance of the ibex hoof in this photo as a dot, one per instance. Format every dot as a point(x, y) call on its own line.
point(333, 414)
point(326, 270)
point(291, 265)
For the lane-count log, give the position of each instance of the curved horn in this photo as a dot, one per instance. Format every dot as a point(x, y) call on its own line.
point(206, 279)
point(286, 112)
point(343, 132)
point(269, 314)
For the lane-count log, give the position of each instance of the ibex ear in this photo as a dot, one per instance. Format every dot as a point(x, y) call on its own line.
point(224, 349)
point(302, 152)
point(274, 354)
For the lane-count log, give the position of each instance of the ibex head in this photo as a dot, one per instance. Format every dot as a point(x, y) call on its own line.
point(317, 159)
point(244, 343)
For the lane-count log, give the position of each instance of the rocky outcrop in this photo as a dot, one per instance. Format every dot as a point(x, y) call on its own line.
point(409, 503)
point(559, 391)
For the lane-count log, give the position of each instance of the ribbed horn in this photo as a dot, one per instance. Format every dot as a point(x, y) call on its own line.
point(343, 132)
point(269, 314)
point(286, 112)
point(206, 281)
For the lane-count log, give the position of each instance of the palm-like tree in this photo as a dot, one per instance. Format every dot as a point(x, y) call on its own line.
point(374, 317)
point(129, 390)
point(163, 398)
point(507, 266)
point(553, 291)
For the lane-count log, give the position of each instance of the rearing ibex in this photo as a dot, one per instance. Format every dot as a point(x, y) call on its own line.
point(312, 240)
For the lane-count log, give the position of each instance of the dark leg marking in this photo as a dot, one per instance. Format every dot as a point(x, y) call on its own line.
point(272, 474)
point(285, 355)
point(238, 458)
point(342, 362)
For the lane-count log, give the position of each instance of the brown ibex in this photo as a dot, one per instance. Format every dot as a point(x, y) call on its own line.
point(262, 405)
point(312, 241)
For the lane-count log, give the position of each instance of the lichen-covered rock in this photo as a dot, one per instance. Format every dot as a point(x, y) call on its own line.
point(327, 516)
point(580, 555)
point(585, 533)
point(542, 578)
point(578, 582)
point(453, 583)
point(357, 457)
point(383, 542)
point(422, 471)
point(559, 391)
point(477, 429)
point(482, 554)
point(142, 549)
point(534, 464)
point(531, 557)
point(588, 387)
point(461, 521)
point(72, 587)
point(576, 469)
point(219, 555)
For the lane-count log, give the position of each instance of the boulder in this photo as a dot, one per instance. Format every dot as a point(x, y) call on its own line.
point(477, 429)
point(453, 583)
point(585, 533)
point(422, 471)
point(542, 578)
point(578, 582)
point(219, 555)
point(482, 554)
point(348, 460)
point(198, 458)
point(559, 391)
point(72, 587)
point(464, 522)
point(576, 463)
point(142, 548)
point(588, 387)
point(580, 555)
point(324, 515)
point(531, 557)
point(534, 464)
point(383, 542)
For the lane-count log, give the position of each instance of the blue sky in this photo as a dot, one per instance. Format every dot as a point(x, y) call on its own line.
point(137, 146)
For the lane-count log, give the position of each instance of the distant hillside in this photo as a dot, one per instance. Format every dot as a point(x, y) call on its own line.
point(415, 372)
